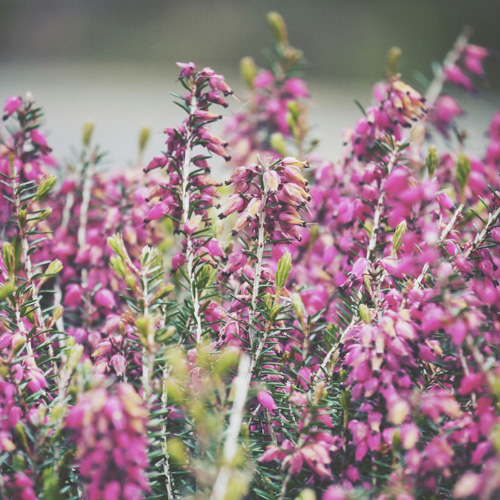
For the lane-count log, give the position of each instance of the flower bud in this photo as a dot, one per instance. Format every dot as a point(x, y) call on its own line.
point(307, 494)
point(88, 130)
point(22, 217)
point(248, 71)
point(9, 258)
point(46, 185)
point(463, 171)
point(55, 267)
point(397, 239)
point(319, 391)
point(396, 441)
point(364, 313)
point(392, 61)
point(345, 400)
point(432, 160)
point(144, 136)
point(6, 290)
point(278, 143)
point(283, 270)
point(176, 450)
point(290, 161)
point(278, 27)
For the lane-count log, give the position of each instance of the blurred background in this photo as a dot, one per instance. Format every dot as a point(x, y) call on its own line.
point(114, 60)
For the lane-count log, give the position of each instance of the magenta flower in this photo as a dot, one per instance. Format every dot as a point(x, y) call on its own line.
point(445, 110)
point(266, 400)
point(455, 75)
point(105, 298)
point(473, 59)
point(73, 295)
point(110, 432)
point(12, 104)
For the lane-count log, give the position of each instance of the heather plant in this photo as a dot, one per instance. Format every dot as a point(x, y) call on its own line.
point(301, 328)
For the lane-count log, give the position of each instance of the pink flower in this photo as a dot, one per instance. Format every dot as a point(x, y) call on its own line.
point(296, 87)
point(110, 431)
point(455, 75)
point(119, 363)
point(24, 484)
point(192, 224)
point(217, 82)
point(439, 453)
point(266, 400)
point(334, 492)
point(471, 383)
point(39, 139)
point(157, 212)
point(263, 79)
point(105, 298)
point(473, 59)
point(156, 162)
point(73, 295)
point(187, 69)
point(178, 260)
point(12, 104)
point(445, 111)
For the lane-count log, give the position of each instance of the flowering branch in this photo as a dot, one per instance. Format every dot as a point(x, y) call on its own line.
point(440, 77)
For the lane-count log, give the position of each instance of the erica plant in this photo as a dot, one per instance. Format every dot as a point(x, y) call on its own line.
point(300, 328)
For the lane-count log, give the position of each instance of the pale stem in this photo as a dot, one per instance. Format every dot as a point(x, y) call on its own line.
point(241, 385)
point(465, 366)
point(442, 237)
point(147, 361)
point(258, 267)
point(185, 195)
point(451, 58)
point(166, 456)
point(380, 206)
point(29, 275)
point(84, 208)
point(245, 371)
point(70, 200)
point(478, 240)
point(481, 362)
point(370, 251)
point(17, 203)
point(335, 347)
point(480, 237)
point(20, 325)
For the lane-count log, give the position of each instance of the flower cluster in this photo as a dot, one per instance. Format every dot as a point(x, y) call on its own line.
point(272, 194)
point(397, 106)
point(109, 430)
point(276, 106)
point(205, 88)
